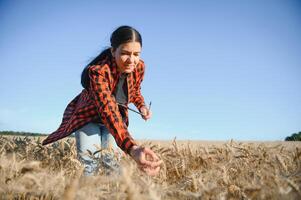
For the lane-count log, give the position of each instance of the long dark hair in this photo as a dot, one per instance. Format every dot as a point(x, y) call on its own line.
point(121, 35)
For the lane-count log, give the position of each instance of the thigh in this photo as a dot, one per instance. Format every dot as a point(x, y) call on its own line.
point(87, 137)
point(107, 140)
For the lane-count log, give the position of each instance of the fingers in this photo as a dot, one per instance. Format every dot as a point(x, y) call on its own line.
point(146, 113)
point(149, 114)
point(156, 164)
point(151, 171)
point(149, 152)
point(152, 164)
point(147, 160)
point(154, 160)
point(143, 111)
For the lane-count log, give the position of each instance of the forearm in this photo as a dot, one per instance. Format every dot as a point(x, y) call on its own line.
point(139, 101)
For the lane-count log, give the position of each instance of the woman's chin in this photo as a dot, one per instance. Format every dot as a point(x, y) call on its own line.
point(128, 71)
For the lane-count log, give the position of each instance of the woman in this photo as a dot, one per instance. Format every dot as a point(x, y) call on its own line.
point(110, 81)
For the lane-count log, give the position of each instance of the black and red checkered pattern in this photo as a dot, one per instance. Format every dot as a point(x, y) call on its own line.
point(98, 102)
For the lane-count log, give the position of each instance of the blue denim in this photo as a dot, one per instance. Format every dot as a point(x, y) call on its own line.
point(88, 138)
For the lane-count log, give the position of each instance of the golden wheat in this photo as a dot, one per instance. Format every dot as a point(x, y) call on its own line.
point(230, 170)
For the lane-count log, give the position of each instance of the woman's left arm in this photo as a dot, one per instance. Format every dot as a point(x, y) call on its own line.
point(138, 98)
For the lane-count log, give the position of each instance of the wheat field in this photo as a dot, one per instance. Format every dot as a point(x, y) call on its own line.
point(191, 170)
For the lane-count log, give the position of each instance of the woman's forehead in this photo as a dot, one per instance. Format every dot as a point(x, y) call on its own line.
point(131, 47)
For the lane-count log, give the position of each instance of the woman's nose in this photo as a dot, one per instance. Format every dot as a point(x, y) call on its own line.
point(131, 58)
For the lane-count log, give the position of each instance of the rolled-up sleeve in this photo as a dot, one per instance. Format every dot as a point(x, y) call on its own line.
point(108, 108)
point(138, 99)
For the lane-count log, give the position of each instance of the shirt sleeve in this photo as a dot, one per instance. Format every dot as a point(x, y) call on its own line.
point(138, 99)
point(108, 108)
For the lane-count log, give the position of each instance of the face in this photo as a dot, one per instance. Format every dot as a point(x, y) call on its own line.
point(127, 56)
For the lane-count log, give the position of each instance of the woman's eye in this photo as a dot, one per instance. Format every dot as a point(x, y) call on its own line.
point(127, 54)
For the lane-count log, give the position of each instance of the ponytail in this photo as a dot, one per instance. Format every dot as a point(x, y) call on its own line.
point(85, 80)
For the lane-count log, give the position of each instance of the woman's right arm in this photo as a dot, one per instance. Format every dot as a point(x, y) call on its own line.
point(108, 108)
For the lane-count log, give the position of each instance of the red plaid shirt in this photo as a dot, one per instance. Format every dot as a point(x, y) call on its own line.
point(98, 102)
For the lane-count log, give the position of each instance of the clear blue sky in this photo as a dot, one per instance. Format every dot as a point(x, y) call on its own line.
point(215, 69)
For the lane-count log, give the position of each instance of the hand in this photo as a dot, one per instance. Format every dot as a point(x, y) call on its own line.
point(146, 113)
point(146, 159)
